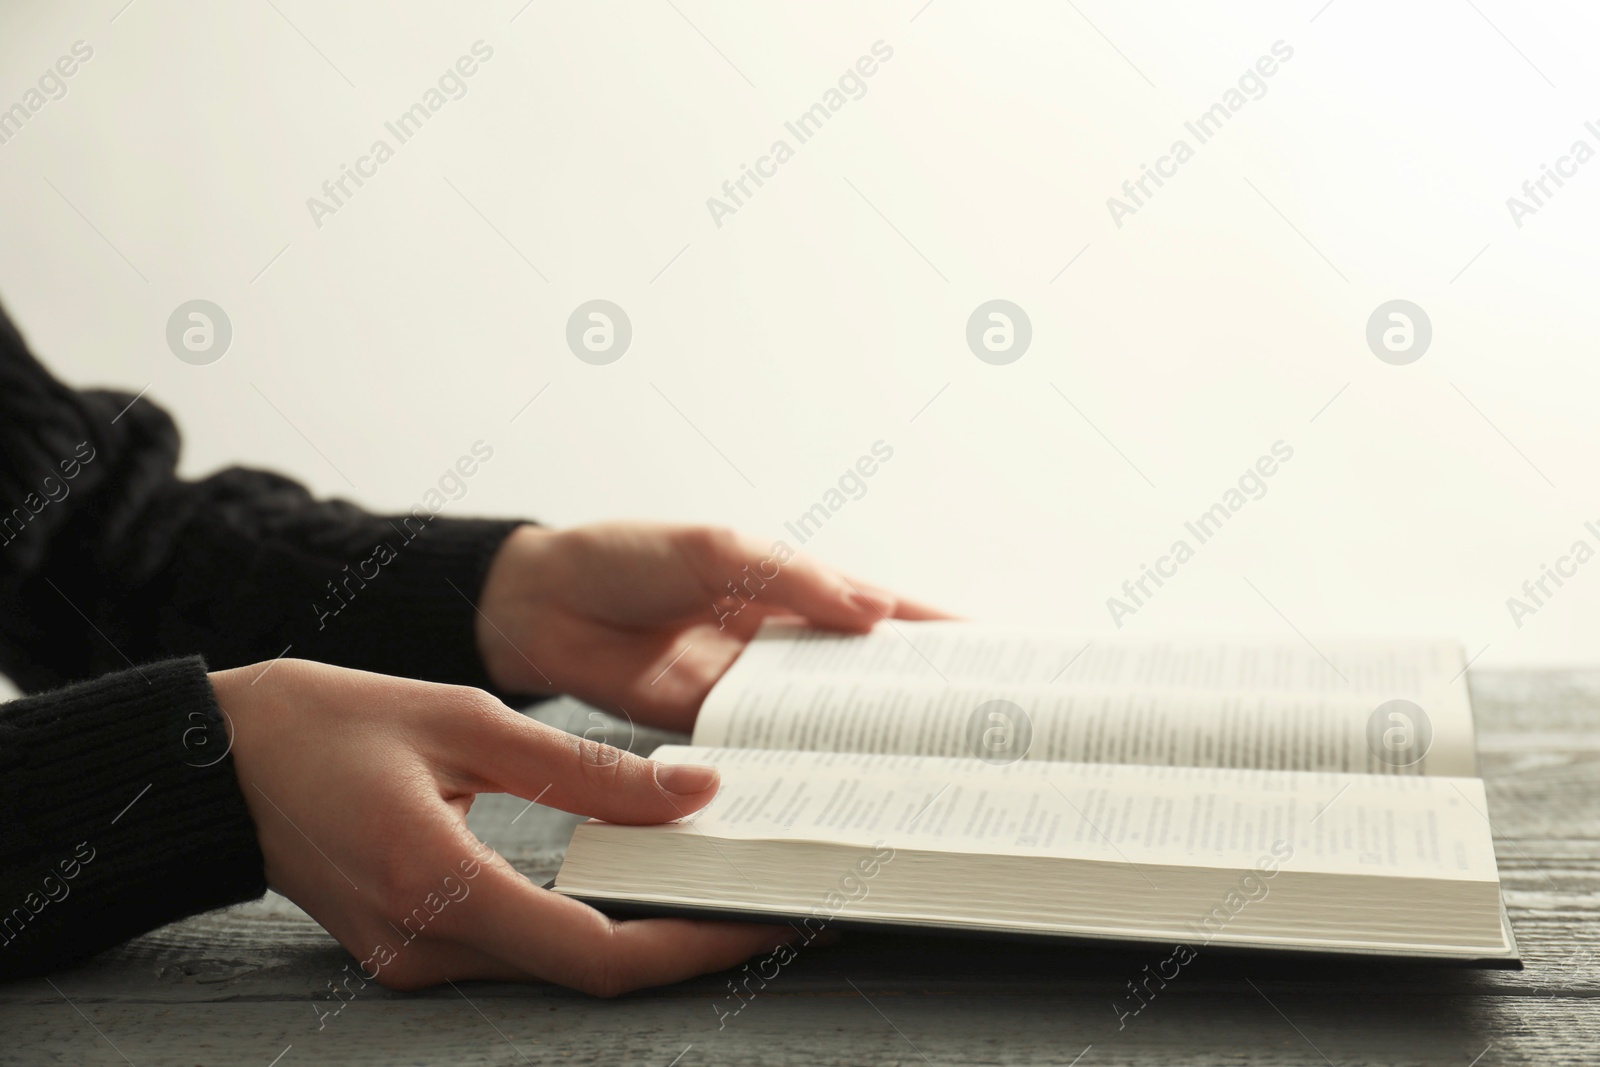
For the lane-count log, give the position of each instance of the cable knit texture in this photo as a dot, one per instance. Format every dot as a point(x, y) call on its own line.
point(114, 569)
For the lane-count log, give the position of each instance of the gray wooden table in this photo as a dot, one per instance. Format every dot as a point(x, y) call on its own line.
point(248, 985)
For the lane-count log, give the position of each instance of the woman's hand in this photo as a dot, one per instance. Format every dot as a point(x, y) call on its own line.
point(644, 618)
point(359, 785)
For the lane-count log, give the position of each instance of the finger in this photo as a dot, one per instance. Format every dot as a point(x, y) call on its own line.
point(919, 612)
point(496, 749)
point(904, 607)
point(562, 940)
point(739, 569)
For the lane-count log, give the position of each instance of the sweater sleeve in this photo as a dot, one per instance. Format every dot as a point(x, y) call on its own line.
point(108, 558)
point(122, 812)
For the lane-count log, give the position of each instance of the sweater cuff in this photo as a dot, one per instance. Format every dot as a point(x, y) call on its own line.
point(410, 608)
point(122, 813)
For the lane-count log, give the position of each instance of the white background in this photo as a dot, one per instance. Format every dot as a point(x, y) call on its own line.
point(826, 313)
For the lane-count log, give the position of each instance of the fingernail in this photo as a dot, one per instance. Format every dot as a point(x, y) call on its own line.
point(685, 779)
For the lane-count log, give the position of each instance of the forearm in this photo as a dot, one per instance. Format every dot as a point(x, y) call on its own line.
point(262, 570)
point(122, 813)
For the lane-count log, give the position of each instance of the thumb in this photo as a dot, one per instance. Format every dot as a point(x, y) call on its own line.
point(502, 751)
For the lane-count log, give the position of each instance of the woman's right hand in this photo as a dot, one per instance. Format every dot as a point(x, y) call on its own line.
point(359, 785)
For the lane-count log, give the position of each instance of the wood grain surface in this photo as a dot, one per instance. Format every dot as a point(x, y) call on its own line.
point(250, 984)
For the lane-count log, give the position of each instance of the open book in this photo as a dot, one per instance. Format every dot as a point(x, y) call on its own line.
point(967, 777)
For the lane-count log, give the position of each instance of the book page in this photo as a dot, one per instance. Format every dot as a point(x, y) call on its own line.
point(1411, 827)
point(1002, 694)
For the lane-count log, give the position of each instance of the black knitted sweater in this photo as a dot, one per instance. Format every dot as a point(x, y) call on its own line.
point(120, 586)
